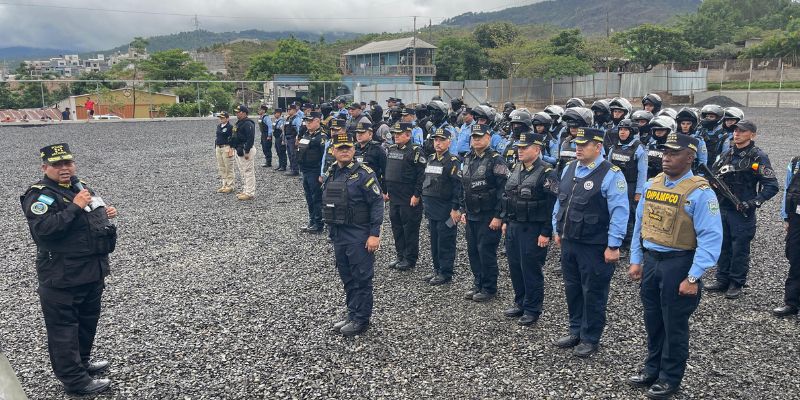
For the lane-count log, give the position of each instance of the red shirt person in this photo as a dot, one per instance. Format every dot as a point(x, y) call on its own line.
point(89, 106)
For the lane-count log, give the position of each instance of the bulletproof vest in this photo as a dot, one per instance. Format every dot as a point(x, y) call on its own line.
point(400, 164)
point(427, 131)
point(363, 155)
point(91, 233)
point(525, 197)
point(664, 220)
point(565, 152)
point(262, 126)
point(583, 211)
point(376, 136)
point(307, 154)
point(328, 158)
point(337, 208)
point(738, 173)
point(289, 128)
point(438, 182)
point(277, 132)
point(325, 124)
point(625, 159)
point(479, 194)
point(654, 158)
point(793, 189)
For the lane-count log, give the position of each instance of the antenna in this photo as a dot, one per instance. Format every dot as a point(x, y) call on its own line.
point(196, 23)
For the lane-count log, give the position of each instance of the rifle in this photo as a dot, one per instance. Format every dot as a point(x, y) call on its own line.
point(721, 187)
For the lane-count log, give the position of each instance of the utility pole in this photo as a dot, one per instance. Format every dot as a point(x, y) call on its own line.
point(196, 23)
point(414, 54)
point(608, 28)
point(430, 30)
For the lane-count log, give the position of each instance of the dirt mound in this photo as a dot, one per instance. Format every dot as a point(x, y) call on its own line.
point(722, 101)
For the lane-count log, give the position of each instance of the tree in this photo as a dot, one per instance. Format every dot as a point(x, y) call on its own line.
point(554, 66)
point(494, 35)
point(459, 59)
point(569, 42)
point(8, 98)
point(781, 44)
point(173, 65)
point(139, 44)
point(649, 45)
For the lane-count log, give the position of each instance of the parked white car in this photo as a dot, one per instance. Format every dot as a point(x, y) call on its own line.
point(106, 116)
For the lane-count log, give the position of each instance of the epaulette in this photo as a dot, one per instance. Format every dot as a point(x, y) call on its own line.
point(453, 158)
point(37, 186)
point(367, 168)
point(615, 168)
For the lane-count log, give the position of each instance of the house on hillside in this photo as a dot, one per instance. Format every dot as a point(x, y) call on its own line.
point(124, 103)
point(389, 61)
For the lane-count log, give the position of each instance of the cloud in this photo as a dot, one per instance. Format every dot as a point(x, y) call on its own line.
point(81, 26)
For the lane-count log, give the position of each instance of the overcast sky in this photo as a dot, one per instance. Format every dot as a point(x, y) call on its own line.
point(77, 24)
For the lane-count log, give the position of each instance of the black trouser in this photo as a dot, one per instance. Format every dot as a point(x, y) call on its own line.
point(405, 228)
point(266, 147)
point(443, 246)
point(792, 293)
point(525, 261)
point(587, 278)
point(280, 148)
point(482, 251)
point(734, 259)
point(70, 316)
point(356, 269)
point(313, 191)
point(632, 204)
point(666, 314)
point(291, 150)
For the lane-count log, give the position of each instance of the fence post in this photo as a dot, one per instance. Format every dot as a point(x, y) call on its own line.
point(486, 97)
point(722, 77)
point(780, 83)
point(41, 86)
point(749, 82)
point(198, 100)
point(552, 91)
point(527, 90)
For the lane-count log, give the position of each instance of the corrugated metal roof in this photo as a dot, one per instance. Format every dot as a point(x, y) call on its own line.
point(390, 46)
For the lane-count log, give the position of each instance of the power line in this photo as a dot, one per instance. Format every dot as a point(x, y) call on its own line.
point(172, 14)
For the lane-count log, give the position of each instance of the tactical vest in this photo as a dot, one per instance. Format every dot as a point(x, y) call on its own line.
point(329, 158)
point(714, 141)
point(363, 156)
point(262, 126)
point(400, 164)
point(337, 208)
point(625, 159)
point(438, 181)
point(654, 159)
point(583, 211)
point(308, 155)
point(525, 197)
point(277, 132)
point(739, 176)
point(479, 195)
point(290, 130)
point(565, 152)
point(91, 233)
point(664, 220)
point(793, 189)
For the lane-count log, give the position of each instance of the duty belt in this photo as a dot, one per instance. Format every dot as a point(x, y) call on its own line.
point(666, 255)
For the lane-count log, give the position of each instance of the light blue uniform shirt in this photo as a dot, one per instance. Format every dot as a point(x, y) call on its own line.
point(464, 136)
point(280, 123)
point(267, 120)
point(641, 166)
point(615, 191)
point(496, 141)
point(703, 208)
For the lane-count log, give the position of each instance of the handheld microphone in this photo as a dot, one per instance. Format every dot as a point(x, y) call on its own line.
point(76, 183)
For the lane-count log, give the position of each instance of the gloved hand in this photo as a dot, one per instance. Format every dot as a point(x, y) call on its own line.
point(748, 205)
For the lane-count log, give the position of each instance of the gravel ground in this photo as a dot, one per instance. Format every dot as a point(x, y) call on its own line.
point(214, 298)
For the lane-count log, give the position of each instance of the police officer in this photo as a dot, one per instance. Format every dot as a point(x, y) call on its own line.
point(224, 153)
point(747, 171)
point(642, 119)
point(354, 214)
point(243, 140)
point(310, 150)
point(370, 153)
point(73, 235)
point(660, 128)
point(436, 121)
point(629, 155)
point(484, 175)
point(356, 116)
point(574, 102)
point(408, 114)
point(504, 125)
point(291, 129)
point(405, 173)
point(589, 218)
point(265, 126)
point(681, 233)
point(528, 199)
point(652, 103)
point(686, 122)
point(464, 134)
point(790, 211)
point(541, 123)
point(574, 119)
point(278, 138)
point(715, 138)
point(441, 196)
point(602, 114)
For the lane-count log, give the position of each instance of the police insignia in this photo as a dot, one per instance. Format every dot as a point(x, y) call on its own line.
point(501, 169)
point(588, 185)
point(767, 172)
point(46, 199)
point(621, 185)
point(38, 208)
point(713, 207)
point(376, 190)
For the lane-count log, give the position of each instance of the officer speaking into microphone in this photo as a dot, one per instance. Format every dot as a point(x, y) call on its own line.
point(73, 235)
point(678, 224)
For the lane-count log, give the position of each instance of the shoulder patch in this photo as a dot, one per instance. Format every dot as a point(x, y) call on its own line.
point(46, 199)
point(621, 186)
point(615, 168)
point(38, 208)
point(713, 207)
point(367, 168)
point(40, 187)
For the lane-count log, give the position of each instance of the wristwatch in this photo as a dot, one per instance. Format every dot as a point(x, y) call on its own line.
point(691, 279)
point(613, 247)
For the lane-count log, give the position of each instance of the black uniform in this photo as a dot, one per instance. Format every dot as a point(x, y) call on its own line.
point(484, 178)
point(528, 200)
point(791, 209)
point(405, 172)
point(441, 194)
point(280, 142)
point(71, 264)
point(373, 155)
point(753, 186)
point(223, 135)
point(309, 156)
point(265, 126)
point(290, 133)
point(354, 212)
point(244, 136)
point(655, 155)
